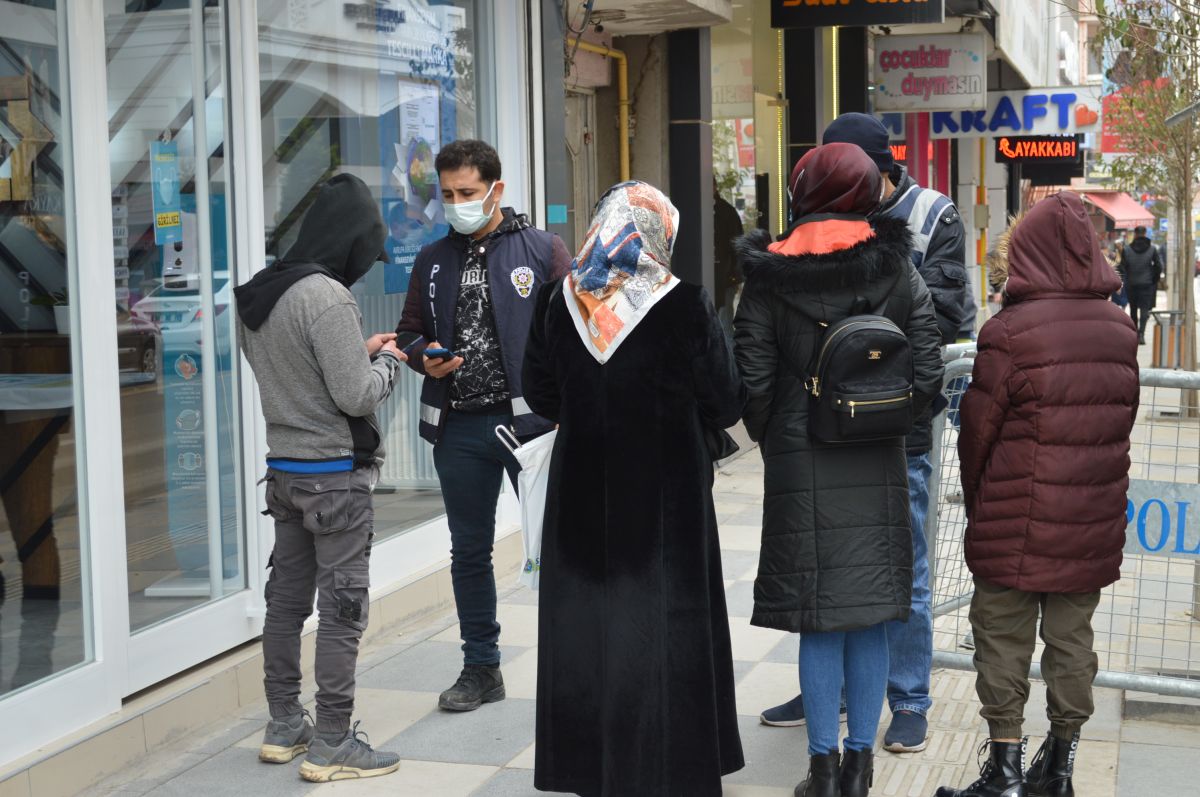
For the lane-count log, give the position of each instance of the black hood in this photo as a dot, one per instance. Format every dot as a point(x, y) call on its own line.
point(1140, 245)
point(342, 236)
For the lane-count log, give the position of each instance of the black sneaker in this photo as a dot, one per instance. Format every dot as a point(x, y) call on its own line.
point(789, 714)
point(476, 685)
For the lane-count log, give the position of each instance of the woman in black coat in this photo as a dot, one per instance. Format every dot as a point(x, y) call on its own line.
point(635, 668)
point(836, 561)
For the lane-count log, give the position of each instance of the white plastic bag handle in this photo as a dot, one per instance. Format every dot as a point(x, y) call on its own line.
point(507, 438)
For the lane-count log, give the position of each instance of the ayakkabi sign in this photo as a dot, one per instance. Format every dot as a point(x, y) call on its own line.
point(1056, 111)
point(945, 72)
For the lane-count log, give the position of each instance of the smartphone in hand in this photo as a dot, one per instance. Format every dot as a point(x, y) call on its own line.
point(407, 341)
point(440, 354)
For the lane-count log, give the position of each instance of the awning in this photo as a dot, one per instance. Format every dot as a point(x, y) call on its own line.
point(1120, 207)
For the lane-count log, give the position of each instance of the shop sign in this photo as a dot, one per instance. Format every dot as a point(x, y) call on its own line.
point(931, 73)
point(894, 122)
point(164, 175)
point(744, 130)
point(373, 16)
point(1037, 149)
point(1111, 141)
point(1057, 111)
point(854, 13)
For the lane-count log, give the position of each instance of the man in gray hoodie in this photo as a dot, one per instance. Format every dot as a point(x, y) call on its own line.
point(320, 384)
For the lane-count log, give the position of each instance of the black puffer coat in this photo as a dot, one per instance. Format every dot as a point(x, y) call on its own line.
point(836, 547)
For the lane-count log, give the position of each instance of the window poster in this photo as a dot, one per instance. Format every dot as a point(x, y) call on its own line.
point(411, 204)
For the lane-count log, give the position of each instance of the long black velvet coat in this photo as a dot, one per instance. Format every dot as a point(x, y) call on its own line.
point(837, 545)
point(635, 668)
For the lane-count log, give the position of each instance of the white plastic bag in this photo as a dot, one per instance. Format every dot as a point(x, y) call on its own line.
point(534, 459)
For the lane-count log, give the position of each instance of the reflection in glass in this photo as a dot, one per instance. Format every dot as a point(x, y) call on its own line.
point(178, 412)
point(44, 614)
point(376, 95)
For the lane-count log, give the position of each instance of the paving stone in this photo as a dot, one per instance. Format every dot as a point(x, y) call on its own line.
point(235, 772)
point(509, 783)
point(739, 599)
point(495, 734)
point(776, 757)
point(1146, 769)
point(413, 779)
point(427, 667)
point(786, 652)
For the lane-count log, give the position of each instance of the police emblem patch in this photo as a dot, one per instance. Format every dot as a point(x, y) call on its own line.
point(522, 279)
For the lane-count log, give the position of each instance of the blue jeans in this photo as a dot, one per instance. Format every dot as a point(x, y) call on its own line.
point(911, 644)
point(471, 463)
point(856, 661)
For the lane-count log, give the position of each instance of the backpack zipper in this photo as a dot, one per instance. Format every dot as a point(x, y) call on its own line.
point(853, 404)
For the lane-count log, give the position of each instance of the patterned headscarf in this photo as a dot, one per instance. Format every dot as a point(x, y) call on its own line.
point(624, 265)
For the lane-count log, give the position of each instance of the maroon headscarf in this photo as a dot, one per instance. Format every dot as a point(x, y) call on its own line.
point(835, 179)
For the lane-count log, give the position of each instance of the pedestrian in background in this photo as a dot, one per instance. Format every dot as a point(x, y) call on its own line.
point(320, 384)
point(836, 559)
point(471, 300)
point(1141, 270)
point(635, 667)
point(1044, 451)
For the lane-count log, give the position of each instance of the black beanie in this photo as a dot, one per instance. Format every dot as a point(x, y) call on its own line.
point(867, 132)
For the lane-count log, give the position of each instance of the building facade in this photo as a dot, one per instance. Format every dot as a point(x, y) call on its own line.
point(153, 155)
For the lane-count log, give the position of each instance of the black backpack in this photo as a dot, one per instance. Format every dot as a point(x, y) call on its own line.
point(861, 382)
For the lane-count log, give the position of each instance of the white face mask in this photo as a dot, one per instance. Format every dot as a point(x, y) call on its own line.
point(469, 217)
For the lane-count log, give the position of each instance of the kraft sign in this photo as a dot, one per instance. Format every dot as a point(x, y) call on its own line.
point(1058, 111)
point(931, 73)
point(1163, 519)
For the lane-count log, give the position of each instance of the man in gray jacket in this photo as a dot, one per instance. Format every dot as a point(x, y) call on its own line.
point(320, 383)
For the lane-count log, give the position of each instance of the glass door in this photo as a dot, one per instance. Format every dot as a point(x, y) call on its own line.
point(44, 614)
point(180, 425)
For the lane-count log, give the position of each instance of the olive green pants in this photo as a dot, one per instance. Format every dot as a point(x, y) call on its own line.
point(1005, 624)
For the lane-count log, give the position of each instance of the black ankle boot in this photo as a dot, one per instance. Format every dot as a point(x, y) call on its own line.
point(1002, 775)
point(822, 780)
point(1050, 775)
point(858, 773)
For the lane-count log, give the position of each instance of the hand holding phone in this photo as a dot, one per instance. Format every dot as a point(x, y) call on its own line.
point(440, 361)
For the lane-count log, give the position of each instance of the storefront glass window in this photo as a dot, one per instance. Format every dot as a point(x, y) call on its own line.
point(177, 350)
point(374, 90)
point(736, 167)
point(44, 613)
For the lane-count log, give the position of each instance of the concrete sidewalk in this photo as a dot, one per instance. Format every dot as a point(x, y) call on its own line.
point(490, 751)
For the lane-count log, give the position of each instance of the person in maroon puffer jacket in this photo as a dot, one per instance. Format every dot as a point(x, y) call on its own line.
point(1044, 449)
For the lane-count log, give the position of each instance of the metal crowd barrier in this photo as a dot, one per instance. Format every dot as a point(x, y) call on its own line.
point(1148, 624)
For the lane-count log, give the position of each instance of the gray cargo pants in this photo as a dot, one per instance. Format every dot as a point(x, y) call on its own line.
point(323, 529)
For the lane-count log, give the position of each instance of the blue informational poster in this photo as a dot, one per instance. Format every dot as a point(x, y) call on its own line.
point(164, 176)
point(183, 364)
point(419, 115)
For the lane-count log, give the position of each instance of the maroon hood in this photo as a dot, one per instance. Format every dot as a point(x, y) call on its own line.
point(1054, 252)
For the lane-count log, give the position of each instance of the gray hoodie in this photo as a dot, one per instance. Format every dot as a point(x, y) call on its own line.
point(301, 331)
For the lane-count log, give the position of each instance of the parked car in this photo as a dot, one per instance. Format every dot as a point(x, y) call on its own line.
point(138, 346)
point(175, 309)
